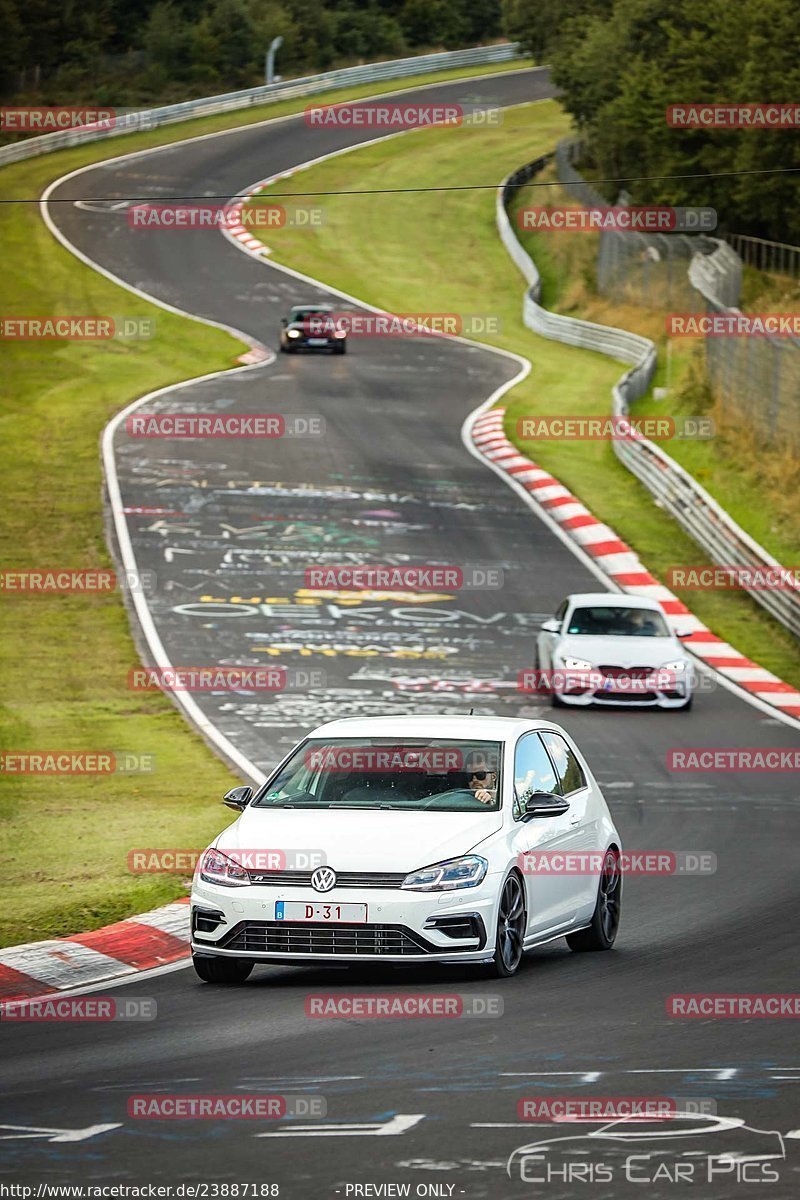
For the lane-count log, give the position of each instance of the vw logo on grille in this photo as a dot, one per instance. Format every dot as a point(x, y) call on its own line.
point(323, 879)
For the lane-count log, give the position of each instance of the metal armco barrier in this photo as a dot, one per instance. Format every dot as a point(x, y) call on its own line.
point(309, 85)
point(725, 542)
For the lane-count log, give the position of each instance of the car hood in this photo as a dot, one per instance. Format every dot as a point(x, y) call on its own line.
point(622, 651)
point(364, 840)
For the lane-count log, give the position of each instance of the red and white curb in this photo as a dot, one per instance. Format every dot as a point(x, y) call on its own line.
point(623, 566)
point(152, 939)
point(234, 227)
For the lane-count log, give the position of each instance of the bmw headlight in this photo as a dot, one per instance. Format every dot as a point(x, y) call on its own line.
point(448, 876)
point(679, 664)
point(216, 867)
point(577, 664)
point(293, 333)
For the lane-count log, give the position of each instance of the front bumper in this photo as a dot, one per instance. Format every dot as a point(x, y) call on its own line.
point(401, 926)
point(317, 342)
point(581, 688)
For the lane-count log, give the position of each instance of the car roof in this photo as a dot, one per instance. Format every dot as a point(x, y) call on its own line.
point(462, 728)
point(314, 307)
point(616, 600)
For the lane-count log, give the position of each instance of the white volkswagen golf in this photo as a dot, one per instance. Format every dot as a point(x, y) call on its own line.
point(411, 840)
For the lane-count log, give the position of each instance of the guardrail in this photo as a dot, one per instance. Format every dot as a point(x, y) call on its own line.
point(308, 85)
point(725, 542)
point(777, 258)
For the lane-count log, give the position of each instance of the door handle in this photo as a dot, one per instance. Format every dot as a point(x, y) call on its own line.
point(575, 821)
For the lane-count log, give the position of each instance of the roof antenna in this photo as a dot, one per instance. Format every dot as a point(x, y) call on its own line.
point(472, 712)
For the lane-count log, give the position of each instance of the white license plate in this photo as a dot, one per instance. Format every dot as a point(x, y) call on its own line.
point(317, 341)
point(298, 910)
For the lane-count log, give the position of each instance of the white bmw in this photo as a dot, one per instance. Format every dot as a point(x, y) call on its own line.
point(603, 648)
point(411, 840)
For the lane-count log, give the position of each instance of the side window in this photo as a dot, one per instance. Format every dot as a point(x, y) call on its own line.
point(570, 776)
point(533, 770)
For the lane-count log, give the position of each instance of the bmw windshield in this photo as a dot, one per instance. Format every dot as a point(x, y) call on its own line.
point(414, 775)
point(614, 621)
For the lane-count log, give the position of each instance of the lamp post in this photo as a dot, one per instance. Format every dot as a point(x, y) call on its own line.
point(274, 46)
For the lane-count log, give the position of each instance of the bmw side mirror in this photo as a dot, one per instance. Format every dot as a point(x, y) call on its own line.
point(284, 322)
point(238, 798)
point(550, 626)
point(683, 633)
point(545, 804)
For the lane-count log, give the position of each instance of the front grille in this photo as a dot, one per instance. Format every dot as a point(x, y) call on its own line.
point(345, 879)
point(625, 697)
point(628, 672)
point(296, 937)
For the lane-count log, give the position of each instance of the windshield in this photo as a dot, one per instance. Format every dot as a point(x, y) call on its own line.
point(299, 315)
point(607, 621)
point(413, 775)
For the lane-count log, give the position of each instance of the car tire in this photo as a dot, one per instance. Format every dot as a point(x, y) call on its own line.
point(556, 701)
point(221, 970)
point(341, 349)
point(510, 929)
point(602, 933)
point(684, 707)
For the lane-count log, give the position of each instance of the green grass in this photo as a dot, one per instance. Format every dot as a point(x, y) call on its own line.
point(64, 659)
point(761, 491)
point(439, 251)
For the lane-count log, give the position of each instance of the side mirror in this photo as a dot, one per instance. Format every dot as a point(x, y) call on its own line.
point(683, 633)
point(545, 804)
point(238, 798)
point(284, 322)
point(551, 625)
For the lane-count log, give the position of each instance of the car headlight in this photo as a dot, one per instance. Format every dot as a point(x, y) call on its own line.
point(340, 333)
point(679, 664)
point(216, 867)
point(448, 876)
point(577, 664)
point(293, 333)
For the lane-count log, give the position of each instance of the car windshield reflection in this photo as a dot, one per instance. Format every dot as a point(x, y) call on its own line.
point(415, 776)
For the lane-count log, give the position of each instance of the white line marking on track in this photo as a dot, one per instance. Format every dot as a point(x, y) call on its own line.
point(24, 1132)
point(400, 1123)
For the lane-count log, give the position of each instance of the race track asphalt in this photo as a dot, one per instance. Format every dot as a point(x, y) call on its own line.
point(391, 478)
